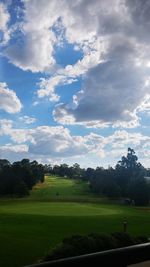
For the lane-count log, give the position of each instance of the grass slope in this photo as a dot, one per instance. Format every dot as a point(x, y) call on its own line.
point(57, 188)
point(29, 228)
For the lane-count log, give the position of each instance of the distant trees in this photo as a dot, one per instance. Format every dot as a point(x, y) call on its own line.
point(64, 170)
point(130, 165)
point(18, 178)
point(130, 177)
point(126, 180)
point(139, 191)
point(103, 182)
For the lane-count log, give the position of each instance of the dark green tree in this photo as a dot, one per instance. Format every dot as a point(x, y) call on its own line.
point(130, 176)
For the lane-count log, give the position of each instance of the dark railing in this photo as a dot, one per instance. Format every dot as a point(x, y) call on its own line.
point(120, 257)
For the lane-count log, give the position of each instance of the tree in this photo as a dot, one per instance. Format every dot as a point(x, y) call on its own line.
point(139, 191)
point(4, 163)
point(130, 161)
point(11, 184)
point(113, 190)
point(88, 174)
point(77, 171)
point(18, 178)
point(20, 189)
point(128, 169)
point(130, 176)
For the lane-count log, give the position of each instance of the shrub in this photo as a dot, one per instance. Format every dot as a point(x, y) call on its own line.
point(84, 244)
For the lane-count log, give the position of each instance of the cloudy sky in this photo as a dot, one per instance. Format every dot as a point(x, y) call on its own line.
point(74, 80)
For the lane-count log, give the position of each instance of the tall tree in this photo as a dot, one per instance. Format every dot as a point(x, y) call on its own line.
point(130, 176)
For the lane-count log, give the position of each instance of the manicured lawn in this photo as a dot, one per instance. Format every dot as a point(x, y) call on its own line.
point(30, 227)
point(29, 230)
point(59, 188)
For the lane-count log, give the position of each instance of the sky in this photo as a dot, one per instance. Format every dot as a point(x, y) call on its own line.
point(74, 81)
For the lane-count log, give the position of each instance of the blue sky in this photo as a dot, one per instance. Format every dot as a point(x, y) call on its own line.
point(74, 81)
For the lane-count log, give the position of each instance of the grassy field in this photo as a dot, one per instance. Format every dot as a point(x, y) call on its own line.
point(30, 227)
point(56, 188)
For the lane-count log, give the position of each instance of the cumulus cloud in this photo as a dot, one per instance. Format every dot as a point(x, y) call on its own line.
point(111, 92)
point(35, 46)
point(57, 142)
point(35, 54)
point(4, 19)
point(14, 152)
point(27, 119)
point(9, 101)
point(145, 105)
point(5, 126)
point(46, 140)
point(113, 37)
point(47, 86)
point(122, 138)
point(14, 148)
point(68, 75)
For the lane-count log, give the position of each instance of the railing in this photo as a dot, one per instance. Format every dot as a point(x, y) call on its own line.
point(120, 257)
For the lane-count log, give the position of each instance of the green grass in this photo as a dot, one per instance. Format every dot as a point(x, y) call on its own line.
point(59, 188)
point(29, 228)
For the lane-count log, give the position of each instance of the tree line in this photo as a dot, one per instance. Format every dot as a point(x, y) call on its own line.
point(18, 178)
point(127, 180)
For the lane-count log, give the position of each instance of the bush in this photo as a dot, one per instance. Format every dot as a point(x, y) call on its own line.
point(84, 244)
point(124, 239)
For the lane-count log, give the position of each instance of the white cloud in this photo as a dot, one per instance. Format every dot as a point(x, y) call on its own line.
point(145, 105)
point(114, 39)
point(47, 144)
point(57, 142)
point(5, 126)
point(123, 138)
point(35, 54)
point(21, 135)
point(14, 148)
point(4, 19)
point(47, 86)
point(16, 135)
point(8, 99)
point(46, 140)
point(14, 152)
point(34, 50)
point(68, 75)
point(27, 119)
point(112, 91)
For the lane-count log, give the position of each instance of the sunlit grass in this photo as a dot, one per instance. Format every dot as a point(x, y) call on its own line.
point(58, 188)
point(30, 227)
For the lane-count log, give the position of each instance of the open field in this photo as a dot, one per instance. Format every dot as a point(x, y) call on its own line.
point(29, 228)
point(56, 188)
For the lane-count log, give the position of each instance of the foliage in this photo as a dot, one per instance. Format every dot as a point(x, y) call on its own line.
point(139, 191)
point(126, 180)
point(83, 244)
point(130, 175)
point(18, 178)
point(123, 181)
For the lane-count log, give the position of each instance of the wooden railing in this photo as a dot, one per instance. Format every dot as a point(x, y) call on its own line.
point(120, 257)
